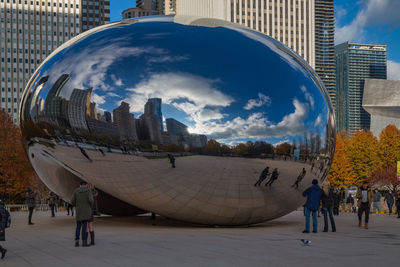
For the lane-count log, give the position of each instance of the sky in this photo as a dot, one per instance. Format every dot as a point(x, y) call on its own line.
point(363, 21)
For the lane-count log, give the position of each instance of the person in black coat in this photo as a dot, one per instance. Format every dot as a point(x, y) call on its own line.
point(336, 202)
point(398, 204)
point(3, 224)
point(263, 176)
point(327, 206)
point(274, 176)
point(171, 160)
point(389, 198)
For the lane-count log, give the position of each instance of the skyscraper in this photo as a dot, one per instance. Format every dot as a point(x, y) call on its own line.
point(355, 63)
point(325, 45)
point(94, 13)
point(151, 120)
point(291, 22)
point(144, 8)
point(157, 102)
point(170, 6)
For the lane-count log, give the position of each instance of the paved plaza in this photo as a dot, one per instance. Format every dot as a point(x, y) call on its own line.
point(134, 241)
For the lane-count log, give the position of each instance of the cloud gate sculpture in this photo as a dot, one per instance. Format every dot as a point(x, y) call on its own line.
point(180, 119)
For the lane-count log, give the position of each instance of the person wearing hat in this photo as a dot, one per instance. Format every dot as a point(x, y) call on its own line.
point(83, 201)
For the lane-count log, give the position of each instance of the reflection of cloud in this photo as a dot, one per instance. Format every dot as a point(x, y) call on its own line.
point(99, 100)
point(281, 142)
point(256, 125)
point(318, 120)
point(261, 101)
point(167, 58)
point(308, 96)
point(194, 95)
point(118, 82)
point(111, 94)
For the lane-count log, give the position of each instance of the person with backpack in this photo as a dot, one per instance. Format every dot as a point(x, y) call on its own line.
point(5, 221)
point(313, 195)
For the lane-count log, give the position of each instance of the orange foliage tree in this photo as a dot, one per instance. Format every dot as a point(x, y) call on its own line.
point(389, 154)
point(362, 151)
point(341, 173)
point(16, 172)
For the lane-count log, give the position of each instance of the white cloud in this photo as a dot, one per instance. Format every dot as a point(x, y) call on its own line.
point(393, 70)
point(99, 100)
point(318, 120)
point(261, 101)
point(308, 96)
point(118, 81)
point(111, 94)
point(372, 13)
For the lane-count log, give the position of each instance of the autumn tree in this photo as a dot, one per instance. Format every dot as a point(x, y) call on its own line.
point(362, 151)
point(16, 172)
point(341, 173)
point(284, 149)
point(389, 154)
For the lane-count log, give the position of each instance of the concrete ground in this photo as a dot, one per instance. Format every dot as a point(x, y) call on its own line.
point(134, 241)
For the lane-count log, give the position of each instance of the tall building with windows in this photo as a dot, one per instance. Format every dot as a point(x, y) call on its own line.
point(145, 8)
point(170, 7)
point(31, 30)
point(354, 64)
point(325, 45)
point(291, 22)
point(94, 13)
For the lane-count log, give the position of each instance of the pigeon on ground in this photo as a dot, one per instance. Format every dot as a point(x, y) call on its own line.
point(305, 241)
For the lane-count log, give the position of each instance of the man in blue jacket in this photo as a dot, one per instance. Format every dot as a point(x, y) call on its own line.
point(313, 195)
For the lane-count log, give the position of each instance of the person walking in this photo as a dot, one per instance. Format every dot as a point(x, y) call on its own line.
point(336, 202)
point(299, 178)
point(171, 160)
point(377, 201)
point(389, 198)
point(3, 225)
point(364, 198)
point(274, 176)
point(52, 203)
point(398, 204)
point(82, 199)
point(90, 229)
point(349, 203)
point(327, 206)
point(70, 209)
point(262, 177)
point(31, 202)
point(313, 195)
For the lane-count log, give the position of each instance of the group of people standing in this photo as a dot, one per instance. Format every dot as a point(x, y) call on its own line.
point(328, 199)
point(264, 174)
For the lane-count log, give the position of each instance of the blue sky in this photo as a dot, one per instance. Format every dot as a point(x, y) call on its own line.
point(364, 21)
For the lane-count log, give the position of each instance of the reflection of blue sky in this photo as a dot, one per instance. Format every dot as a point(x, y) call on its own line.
point(231, 84)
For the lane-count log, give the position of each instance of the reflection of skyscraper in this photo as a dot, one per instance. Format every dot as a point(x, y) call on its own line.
point(107, 116)
point(78, 107)
point(125, 122)
point(176, 128)
point(152, 120)
point(34, 108)
point(93, 111)
point(157, 102)
point(52, 104)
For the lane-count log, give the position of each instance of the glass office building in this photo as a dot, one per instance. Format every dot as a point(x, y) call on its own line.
point(354, 64)
point(325, 45)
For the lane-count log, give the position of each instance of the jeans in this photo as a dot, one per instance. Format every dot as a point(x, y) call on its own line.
point(377, 206)
point(79, 225)
point(364, 208)
point(30, 214)
point(326, 212)
point(390, 206)
point(314, 217)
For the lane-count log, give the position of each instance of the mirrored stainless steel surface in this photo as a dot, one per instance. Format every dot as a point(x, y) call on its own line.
point(180, 120)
